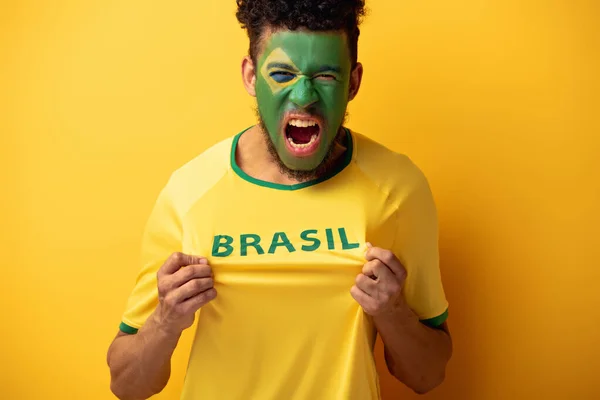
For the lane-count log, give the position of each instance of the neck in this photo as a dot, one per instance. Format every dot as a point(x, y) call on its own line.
point(254, 158)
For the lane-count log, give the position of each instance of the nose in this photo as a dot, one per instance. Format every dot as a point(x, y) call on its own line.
point(303, 93)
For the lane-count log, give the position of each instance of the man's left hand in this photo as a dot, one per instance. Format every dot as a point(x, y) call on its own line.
point(378, 288)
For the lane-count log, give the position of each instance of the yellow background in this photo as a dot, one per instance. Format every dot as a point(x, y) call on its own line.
point(496, 100)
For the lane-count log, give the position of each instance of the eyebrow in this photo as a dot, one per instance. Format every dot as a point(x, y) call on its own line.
point(330, 68)
point(281, 66)
point(324, 68)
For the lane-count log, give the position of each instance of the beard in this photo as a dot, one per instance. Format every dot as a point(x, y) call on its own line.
point(326, 166)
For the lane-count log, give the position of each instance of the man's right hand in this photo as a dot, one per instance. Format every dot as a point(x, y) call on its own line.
point(140, 364)
point(185, 283)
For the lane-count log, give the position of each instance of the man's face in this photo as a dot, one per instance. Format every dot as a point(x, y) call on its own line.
point(302, 89)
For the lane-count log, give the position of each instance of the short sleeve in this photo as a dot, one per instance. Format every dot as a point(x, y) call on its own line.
point(162, 237)
point(416, 245)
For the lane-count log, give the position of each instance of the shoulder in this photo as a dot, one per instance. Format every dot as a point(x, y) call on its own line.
point(394, 173)
point(196, 177)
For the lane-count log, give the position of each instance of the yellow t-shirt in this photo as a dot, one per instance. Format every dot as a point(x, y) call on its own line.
point(284, 325)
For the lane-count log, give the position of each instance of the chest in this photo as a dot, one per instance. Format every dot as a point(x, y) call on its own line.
point(310, 230)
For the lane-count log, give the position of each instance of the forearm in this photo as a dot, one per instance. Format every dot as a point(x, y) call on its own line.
point(140, 364)
point(415, 354)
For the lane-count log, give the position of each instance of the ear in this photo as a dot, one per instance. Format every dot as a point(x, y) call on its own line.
point(249, 76)
point(355, 80)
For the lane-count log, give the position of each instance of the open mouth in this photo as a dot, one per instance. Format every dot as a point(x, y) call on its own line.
point(302, 135)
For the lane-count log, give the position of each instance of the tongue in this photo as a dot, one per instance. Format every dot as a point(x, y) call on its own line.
point(301, 135)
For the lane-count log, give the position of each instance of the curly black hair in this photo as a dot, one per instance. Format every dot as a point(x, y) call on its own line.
point(316, 15)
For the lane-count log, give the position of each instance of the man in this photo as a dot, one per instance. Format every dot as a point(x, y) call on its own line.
point(268, 236)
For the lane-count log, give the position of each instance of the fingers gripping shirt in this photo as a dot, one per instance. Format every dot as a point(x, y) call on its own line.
point(284, 325)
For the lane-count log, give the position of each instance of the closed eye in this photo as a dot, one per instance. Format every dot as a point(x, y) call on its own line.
point(326, 77)
point(282, 76)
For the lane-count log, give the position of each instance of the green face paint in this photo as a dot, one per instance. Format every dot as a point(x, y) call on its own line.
point(302, 89)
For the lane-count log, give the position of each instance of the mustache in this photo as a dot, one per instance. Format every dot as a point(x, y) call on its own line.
point(312, 112)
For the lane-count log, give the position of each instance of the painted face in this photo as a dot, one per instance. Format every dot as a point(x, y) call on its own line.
point(302, 89)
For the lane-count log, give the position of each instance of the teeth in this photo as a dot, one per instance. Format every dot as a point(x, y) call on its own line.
point(302, 146)
point(302, 123)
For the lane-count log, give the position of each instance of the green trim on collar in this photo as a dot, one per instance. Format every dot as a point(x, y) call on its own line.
point(347, 159)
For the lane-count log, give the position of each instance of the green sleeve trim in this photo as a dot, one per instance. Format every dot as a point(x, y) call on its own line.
point(436, 321)
point(127, 329)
